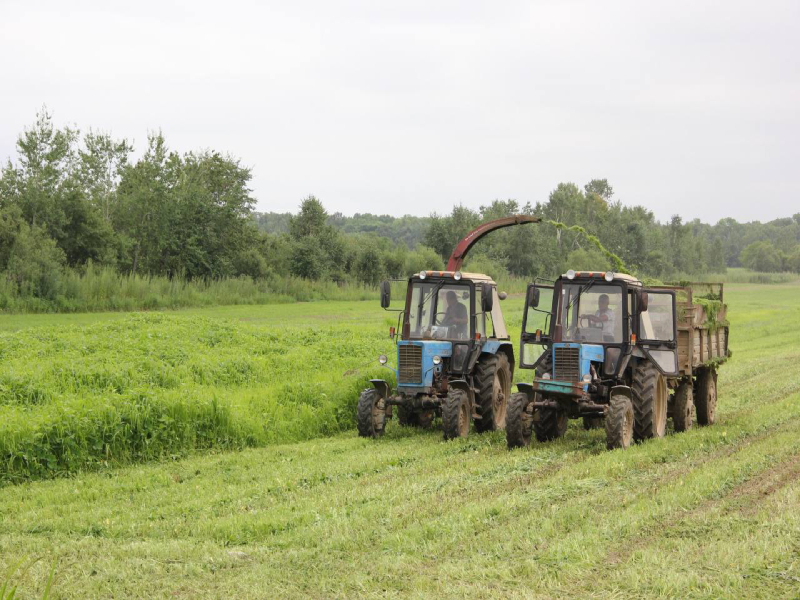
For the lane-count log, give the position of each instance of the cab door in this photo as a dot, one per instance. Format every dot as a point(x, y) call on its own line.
point(537, 325)
point(658, 330)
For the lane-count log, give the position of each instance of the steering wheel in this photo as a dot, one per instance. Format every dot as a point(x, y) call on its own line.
point(592, 323)
point(436, 317)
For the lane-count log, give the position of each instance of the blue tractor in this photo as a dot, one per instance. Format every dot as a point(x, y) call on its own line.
point(608, 350)
point(455, 359)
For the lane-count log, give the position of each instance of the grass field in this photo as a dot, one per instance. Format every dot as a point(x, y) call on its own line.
point(714, 512)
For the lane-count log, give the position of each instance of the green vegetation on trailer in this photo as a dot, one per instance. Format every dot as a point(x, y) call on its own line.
point(707, 513)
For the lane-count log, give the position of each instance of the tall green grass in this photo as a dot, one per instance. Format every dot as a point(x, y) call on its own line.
point(150, 386)
point(105, 289)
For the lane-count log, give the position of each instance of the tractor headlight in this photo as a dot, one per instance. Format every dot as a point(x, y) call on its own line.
point(571, 274)
point(422, 274)
point(587, 378)
point(383, 359)
point(437, 360)
point(546, 376)
point(457, 275)
point(609, 276)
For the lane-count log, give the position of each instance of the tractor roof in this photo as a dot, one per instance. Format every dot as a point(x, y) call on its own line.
point(600, 274)
point(464, 276)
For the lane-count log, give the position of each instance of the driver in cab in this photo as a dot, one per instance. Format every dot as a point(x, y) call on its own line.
point(455, 315)
point(604, 318)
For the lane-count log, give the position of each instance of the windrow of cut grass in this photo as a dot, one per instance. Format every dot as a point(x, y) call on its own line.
point(156, 385)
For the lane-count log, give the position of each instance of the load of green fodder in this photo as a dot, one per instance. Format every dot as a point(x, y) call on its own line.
point(153, 386)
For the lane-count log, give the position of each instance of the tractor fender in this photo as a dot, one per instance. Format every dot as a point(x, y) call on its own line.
point(622, 390)
point(461, 384)
point(495, 346)
point(383, 388)
point(527, 389)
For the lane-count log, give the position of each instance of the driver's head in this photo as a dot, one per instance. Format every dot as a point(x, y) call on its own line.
point(602, 301)
point(451, 298)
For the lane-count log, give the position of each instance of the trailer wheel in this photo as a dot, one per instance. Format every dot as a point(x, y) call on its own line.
point(520, 421)
point(619, 422)
point(493, 380)
point(683, 407)
point(551, 425)
point(649, 396)
point(371, 414)
point(456, 415)
point(706, 398)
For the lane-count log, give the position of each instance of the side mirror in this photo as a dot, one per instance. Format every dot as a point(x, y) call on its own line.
point(386, 294)
point(487, 297)
point(643, 301)
point(533, 298)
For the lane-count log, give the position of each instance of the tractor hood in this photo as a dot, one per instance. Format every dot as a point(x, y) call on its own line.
point(415, 366)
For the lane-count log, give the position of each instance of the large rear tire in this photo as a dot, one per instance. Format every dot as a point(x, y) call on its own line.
point(683, 407)
point(551, 425)
point(649, 395)
point(456, 415)
point(493, 380)
point(619, 423)
point(519, 423)
point(706, 398)
point(371, 414)
point(592, 423)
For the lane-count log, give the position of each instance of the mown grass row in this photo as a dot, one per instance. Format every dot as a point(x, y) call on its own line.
point(154, 385)
point(706, 513)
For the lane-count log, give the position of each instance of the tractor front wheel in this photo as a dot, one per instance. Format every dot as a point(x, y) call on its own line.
point(649, 395)
point(551, 425)
point(683, 407)
point(371, 414)
point(519, 423)
point(706, 397)
point(619, 422)
point(493, 379)
point(456, 414)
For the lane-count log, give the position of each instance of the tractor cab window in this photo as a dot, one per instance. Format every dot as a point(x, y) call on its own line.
point(439, 311)
point(591, 313)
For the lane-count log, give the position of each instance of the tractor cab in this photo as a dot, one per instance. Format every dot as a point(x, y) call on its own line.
point(448, 319)
point(588, 332)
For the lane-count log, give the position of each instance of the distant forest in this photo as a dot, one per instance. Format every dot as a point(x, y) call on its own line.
point(72, 203)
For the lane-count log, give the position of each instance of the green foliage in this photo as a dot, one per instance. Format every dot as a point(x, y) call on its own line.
point(761, 256)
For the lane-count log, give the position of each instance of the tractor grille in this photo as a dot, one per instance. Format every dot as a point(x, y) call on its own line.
point(566, 364)
point(410, 364)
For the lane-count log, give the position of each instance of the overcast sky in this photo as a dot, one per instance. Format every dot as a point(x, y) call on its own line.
point(408, 107)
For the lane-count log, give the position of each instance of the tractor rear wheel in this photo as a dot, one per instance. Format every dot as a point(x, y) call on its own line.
point(456, 414)
point(706, 397)
point(683, 407)
point(592, 423)
point(619, 422)
point(551, 425)
point(649, 395)
point(371, 414)
point(409, 417)
point(520, 421)
point(493, 380)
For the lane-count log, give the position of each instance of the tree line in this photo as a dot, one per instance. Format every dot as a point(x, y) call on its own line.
point(71, 201)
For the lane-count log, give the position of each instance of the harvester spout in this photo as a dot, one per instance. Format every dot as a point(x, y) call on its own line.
point(457, 257)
